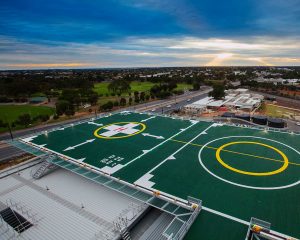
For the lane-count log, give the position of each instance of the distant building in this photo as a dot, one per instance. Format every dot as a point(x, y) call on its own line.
point(235, 99)
point(38, 100)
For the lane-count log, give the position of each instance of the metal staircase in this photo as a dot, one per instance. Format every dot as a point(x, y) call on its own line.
point(121, 225)
point(45, 168)
point(125, 234)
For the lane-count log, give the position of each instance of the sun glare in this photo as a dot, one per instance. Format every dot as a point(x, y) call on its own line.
point(219, 59)
point(224, 55)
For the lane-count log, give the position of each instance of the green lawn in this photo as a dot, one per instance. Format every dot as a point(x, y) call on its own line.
point(12, 112)
point(184, 86)
point(101, 88)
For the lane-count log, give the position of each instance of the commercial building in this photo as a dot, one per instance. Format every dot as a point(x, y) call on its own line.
point(235, 99)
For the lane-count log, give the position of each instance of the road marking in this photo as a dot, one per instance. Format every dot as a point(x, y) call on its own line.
point(147, 119)
point(279, 170)
point(97, 124)
point(240, 153)
point(147, 151)
point(153, 136)
point(243, 185)
point(226, 216)
point(80, 144)
point(172, 156)
point(42, 145)
point(29, 139)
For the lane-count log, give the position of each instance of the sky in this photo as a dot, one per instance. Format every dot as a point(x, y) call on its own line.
point(42, 34)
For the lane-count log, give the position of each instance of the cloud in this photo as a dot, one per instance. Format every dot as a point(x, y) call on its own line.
point(135, 33)
point(47, 65)
point(143, 52)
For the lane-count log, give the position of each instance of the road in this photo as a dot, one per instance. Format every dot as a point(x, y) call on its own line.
point(8, 151)
point(292, 125)
point(159, 106)
point(178, 104)
point(286, 102)
point(141, 107)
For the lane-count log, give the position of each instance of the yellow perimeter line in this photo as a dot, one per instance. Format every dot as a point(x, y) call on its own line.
point(245, 154)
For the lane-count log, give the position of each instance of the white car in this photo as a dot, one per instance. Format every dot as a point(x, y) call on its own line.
point(298, 123)
point(188, 100)
point(169, 106)
point(153, 110)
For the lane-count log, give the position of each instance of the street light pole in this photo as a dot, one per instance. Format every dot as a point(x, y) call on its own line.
point(11, 135)
point(9, 128)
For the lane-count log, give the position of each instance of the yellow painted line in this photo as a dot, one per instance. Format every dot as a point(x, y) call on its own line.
point(279, 170)
point(240, 153)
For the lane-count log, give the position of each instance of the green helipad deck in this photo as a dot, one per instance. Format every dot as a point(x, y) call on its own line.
point(237, 172)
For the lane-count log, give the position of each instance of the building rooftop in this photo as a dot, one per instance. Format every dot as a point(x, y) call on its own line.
point(61, 197)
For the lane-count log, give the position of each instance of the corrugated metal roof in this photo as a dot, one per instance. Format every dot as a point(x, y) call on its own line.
point(60, 207)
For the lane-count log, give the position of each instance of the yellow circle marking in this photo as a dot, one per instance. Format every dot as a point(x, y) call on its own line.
point(279, 170)
point(118, 137)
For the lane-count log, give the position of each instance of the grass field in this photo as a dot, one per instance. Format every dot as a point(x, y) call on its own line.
point(238, 172)
point(12, 112)
point(280, 112)
point(101, 88)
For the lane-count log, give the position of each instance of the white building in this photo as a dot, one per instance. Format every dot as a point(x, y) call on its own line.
point(235, 99)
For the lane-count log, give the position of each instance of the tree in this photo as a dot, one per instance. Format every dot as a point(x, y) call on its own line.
point(123, 102)
point(43, 117)
point(93, 98)
point(218, 92)
point(70, 112)
point(116, 103)
point(119, 86)
point(73, 96)
point(24, 119)
point(196, 86)
point(136, 97)
point(162, 91)
point(62, 106)
point(142, 96)
point(107, 106)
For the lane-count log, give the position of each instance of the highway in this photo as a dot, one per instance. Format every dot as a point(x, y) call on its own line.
point(176, 102)
point(286, 102)
point(157, 105)
point(160, 106)
point(8, 151)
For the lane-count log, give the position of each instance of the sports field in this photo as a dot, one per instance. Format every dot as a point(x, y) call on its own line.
point(102, 88)
point(237, 172)
point(10, 113)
